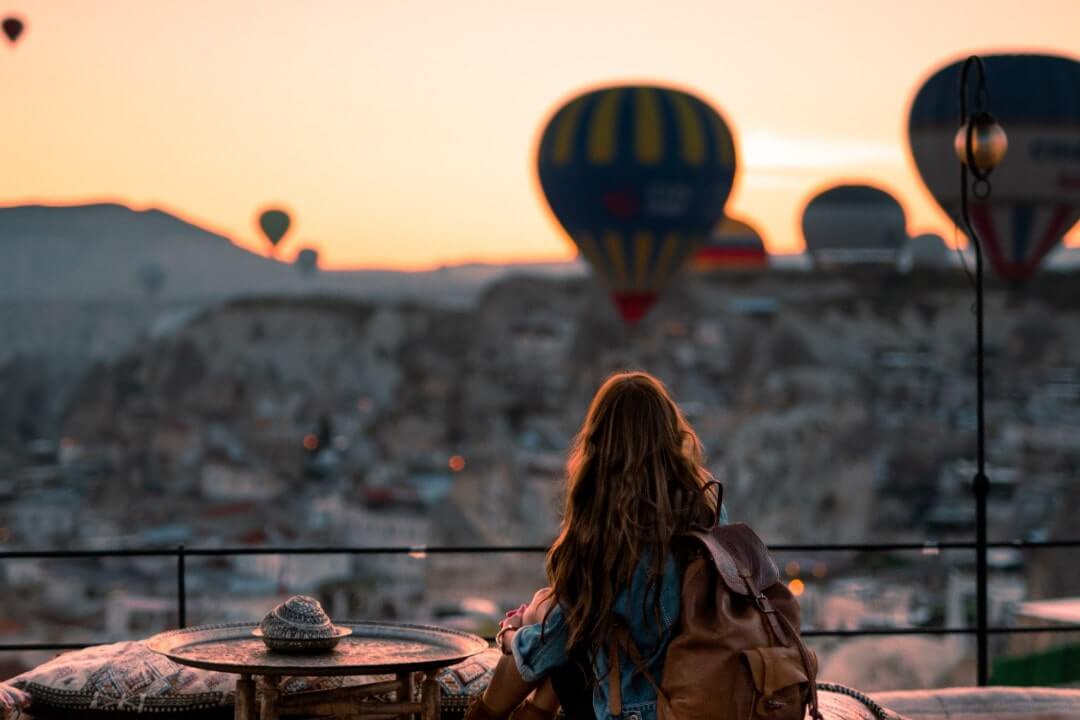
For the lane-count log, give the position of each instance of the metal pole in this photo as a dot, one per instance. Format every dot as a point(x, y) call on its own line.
point(981, 487)
point(181, 588)
point(980, 483)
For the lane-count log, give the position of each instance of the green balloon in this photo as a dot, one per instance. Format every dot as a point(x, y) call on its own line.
point(274, 224)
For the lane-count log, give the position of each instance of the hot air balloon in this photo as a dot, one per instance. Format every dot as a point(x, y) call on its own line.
point(1035, 195)
point(927, 251)
point(637, 176)
point(274, 224)
point(13, 28)
point(733, 245)
point(307, 261)
point(854, 224)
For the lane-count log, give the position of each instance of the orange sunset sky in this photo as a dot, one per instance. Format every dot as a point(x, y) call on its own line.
point(402, 133)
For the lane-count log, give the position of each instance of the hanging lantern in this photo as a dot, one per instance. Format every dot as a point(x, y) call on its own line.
point(988, 142)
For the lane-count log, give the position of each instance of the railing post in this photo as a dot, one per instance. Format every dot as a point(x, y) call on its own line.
point(181, 588)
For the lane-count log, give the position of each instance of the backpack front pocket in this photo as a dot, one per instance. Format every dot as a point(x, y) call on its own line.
point(780, 682)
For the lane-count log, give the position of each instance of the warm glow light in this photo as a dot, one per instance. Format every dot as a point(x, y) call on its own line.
point(797, 587)
point(457, 463)
point(820, 570)
point(792, 568)
point(311, 442)
point(989, 143)
point(675, 328)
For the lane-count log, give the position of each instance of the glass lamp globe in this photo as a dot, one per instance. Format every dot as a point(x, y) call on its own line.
point(988, 142)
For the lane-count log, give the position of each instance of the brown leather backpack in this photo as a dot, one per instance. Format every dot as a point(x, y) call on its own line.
point(736, 654)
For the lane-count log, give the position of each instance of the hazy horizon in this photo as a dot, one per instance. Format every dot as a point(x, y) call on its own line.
point(403, 136)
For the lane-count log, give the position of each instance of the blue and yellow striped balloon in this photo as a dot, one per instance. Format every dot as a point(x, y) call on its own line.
point(637, 176)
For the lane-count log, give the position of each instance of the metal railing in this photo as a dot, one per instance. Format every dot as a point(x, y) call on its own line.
point(181, 553)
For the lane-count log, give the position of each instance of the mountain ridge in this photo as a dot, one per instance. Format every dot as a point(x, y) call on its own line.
point(99, 251)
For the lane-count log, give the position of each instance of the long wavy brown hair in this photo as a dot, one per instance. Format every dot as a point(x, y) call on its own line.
point(635, 480)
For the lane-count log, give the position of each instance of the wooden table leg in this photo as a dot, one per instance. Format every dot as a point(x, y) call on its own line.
point(245, 699)
point(269, 694)
point(407, 690)
point(430, 698)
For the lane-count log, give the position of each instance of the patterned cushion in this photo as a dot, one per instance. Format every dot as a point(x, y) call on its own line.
point(465, 680)
point(127, 677)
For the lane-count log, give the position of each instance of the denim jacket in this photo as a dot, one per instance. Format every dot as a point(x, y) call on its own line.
point(536, 653)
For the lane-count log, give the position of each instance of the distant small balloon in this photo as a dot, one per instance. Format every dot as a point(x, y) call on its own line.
point(854, 224)
point(274, 223)
point(307, 261)
point(928, 251)
point(732, 245)
point(13, 28)
point(152, 277)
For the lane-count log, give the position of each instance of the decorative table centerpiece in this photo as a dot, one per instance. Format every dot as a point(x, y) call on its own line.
point(299, 625)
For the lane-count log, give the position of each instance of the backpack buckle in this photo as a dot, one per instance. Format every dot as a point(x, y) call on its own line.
point(760, 600)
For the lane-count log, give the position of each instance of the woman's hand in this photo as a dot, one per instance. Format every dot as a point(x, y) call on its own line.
point(508, 626)
point(538, 607)
point(529, 614)
point(514, 618)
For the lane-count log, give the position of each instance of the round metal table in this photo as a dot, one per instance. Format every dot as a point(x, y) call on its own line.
point(373, 648)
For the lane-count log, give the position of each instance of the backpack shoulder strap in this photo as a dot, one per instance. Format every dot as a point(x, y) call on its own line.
point(621, 639)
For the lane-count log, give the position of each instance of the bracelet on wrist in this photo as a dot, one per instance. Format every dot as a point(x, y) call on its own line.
point(499, 639)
